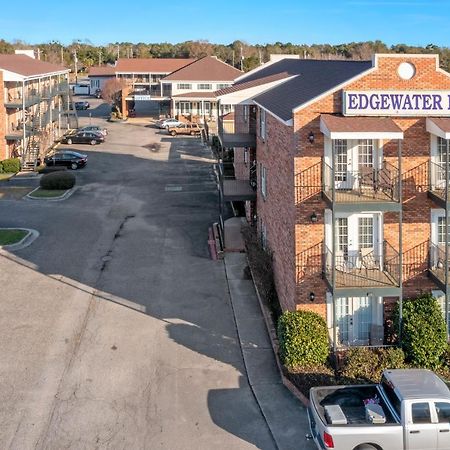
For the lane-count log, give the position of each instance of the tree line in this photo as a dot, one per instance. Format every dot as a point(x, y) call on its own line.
point(238, 53)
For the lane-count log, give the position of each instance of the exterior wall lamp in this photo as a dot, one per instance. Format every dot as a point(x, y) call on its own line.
point(314, 217)
point(311, 137)
point(312, 296)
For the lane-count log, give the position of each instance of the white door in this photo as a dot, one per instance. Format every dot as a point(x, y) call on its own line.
point(420, 431)
point(443, 417)
point(353, 233)
point(438, 170)
point(349, 157)
point(354, 318)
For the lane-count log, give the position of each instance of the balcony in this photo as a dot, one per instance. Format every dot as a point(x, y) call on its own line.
point(369, 188)
point(16, 102)
point(237, 181)
point(237, 133)
point(438, 189)
point(17, 134)
point(376, 268)
point(437, 265)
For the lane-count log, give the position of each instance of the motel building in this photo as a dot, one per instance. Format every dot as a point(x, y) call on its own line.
point(343, 166)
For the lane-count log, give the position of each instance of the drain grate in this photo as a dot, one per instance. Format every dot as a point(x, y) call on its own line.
point(173, 188)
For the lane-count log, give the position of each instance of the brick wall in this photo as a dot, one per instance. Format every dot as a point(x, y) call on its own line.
point(3, 150)
point(416, 204)
point(276, 210)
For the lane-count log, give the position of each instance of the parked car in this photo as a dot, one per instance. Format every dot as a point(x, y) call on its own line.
point(166, 123)
point(66, 158)
point(82, 105)
point(409, 409)
point(95, 129)
point(185, 128)
point(83, 137)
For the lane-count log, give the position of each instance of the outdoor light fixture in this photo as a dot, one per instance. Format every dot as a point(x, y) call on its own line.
point(314, 217)
point(312, 296)
point(311, 137)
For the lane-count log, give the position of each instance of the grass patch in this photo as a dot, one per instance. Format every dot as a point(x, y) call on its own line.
point(8, 237)
point(47, 193)
point(6, 176)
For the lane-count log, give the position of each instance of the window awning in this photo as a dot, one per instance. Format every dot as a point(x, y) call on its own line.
point(339, 127)
point(439, 126)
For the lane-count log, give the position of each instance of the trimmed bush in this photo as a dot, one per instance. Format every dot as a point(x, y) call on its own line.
point(365, 364)
point(51, 169)
point(58, 180)
point(1, 167)
point(11, 165)
point(303, 337)
point(424, 336)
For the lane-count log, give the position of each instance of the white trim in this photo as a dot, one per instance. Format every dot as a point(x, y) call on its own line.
point(432, 128)
point(359, 134)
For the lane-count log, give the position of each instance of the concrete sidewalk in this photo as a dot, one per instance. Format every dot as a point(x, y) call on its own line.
point(285, 415)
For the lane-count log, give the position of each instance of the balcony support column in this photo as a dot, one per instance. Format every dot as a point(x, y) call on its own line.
point(446, 237)
point(333, 277)
point(400, 236)
point(24, 137)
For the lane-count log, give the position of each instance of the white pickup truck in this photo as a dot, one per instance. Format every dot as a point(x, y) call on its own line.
point(408, 410)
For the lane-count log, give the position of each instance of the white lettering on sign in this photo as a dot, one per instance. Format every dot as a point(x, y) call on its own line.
point(142, 97)
point(396, 103)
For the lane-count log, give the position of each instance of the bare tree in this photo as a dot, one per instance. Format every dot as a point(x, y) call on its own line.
point(112, 89)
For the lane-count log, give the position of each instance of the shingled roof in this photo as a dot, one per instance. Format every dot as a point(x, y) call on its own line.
point(151, 65)
point(27, 66)
point(208, 68)
point(315, 77)
point(101, 71)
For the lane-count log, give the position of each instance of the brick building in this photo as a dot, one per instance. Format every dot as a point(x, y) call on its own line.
point(34, 107)
point(351, 160)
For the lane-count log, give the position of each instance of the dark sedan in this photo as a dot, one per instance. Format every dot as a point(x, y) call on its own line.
point(83, 137)
point(66, 158)
point(82, 105)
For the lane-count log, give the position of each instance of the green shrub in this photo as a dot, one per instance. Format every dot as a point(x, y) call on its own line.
point(11, 165)
point(1, 167)
point(50, 169)
point(58, 180)
point(423, 332)
point(362, 363)
point(303, 337)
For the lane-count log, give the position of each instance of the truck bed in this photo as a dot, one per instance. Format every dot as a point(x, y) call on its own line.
point(351, 401)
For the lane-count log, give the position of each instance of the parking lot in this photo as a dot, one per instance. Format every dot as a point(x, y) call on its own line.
point(117, 329)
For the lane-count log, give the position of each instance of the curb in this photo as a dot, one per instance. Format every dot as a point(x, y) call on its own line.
point(27, 240)
point(65, 196)
point(275, 347)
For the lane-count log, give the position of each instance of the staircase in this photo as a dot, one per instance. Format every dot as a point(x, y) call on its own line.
point(69, 112)
point(31, 155)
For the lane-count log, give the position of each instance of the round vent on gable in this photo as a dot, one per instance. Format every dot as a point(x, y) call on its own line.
point(406, 70)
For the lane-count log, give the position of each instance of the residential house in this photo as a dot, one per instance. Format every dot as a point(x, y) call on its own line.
point(350, 160)
point(99, 75)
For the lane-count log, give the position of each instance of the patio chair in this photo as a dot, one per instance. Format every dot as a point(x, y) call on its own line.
point(368, 260)
point(367, 180)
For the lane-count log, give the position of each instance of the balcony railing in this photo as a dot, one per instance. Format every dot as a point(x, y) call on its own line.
point(438, 185)
point(240, 133)
point(238, 181)
point(377, 266)
point(368, 184)
point(437, 265)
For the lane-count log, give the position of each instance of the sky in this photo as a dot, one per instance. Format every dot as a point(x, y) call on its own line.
point(411, 22)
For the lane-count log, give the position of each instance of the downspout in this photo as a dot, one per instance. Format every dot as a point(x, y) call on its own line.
point(400, 238)
point(25, 142)
point(447, 296)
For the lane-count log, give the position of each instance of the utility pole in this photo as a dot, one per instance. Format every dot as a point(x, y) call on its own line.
point(100, 58)
point(62, 55)
point(233, 58)
point(242, 57)
point(260, 58)
point(76, 65)
point(118, 51)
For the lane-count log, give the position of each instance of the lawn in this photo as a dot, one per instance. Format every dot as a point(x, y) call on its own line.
point(6, 176)
point(46, 193)
point(8, 237)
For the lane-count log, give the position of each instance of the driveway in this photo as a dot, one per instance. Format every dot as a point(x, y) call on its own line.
point(117, 329)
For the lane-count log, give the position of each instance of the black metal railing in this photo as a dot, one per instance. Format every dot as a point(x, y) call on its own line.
point(239, 125)
point(437, 262)
point(365, 184)
point(438, 182)
point(239, 171)
point(376, 266)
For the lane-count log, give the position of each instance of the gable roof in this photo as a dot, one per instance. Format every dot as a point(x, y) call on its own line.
point(315, 77)
point(151, 65)
point(252, 83)
point(101, 71)
point(209, 68)
point(27, 66)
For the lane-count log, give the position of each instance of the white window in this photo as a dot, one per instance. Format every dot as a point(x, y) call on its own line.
point(184, 86)
point(222, 86)
point(245, 113)
point(204, 86)
point(262, 124)
point(263, 178)
point(185, 107)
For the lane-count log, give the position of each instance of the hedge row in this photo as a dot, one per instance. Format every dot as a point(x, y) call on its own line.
point(57, 180)
point(10, 165)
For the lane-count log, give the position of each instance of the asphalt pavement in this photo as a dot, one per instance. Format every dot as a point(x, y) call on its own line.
point(118, 331)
